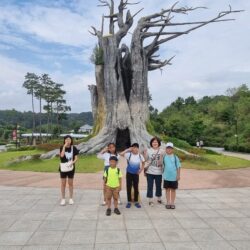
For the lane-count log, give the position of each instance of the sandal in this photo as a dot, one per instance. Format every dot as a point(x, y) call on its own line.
point(172, 206)
point(168, 206)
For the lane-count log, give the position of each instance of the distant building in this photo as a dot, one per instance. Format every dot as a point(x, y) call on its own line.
point(77, 136)
point(85, 129)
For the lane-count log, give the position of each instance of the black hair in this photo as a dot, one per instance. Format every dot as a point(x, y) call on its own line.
point(136, 145)
point(68, 136)
point(111, 143)
point(114, 158)
point(155, 139)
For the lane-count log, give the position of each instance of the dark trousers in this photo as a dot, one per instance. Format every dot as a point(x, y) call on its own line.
point(150, 181)
point(132, 180)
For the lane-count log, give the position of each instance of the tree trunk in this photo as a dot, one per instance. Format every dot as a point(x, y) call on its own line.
point(119, 111)
point(33, 119)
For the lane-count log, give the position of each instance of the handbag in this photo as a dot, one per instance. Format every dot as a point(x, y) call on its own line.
point(67, 166)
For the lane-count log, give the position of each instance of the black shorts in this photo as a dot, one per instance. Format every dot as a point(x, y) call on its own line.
point(170, 184)
point(69, 174)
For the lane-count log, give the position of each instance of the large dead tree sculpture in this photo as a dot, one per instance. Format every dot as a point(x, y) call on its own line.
point(120, 97)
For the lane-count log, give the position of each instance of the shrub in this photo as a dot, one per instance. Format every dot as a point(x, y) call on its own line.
point(48, 146)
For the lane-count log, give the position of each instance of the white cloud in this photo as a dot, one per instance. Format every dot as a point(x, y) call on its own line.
point(207, 62)
point(58, 25)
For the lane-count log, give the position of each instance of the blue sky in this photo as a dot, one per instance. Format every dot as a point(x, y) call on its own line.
point(51, 36)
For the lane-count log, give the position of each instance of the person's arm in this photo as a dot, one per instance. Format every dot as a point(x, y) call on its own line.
point(125, 151)
point(105, 177)
point(178, 169)
point(145, 154)
point(101, 153)
point(160, 161)
point(75, 153)
point(178, 174)
point(62, 153)
point(75, 160)
point(142, 164)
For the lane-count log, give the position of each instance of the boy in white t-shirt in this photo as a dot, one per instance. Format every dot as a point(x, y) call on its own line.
point(134, 167)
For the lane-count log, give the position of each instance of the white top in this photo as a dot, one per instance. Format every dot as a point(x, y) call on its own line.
point(155, 160)
point(105, 156)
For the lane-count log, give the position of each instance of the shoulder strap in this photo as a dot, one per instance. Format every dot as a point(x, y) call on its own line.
point(107, 172)
point(129, 157)
point(175, 161)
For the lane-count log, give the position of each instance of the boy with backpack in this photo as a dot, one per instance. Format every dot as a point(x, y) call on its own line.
point(171, 174)
point(134, 168)
point(113, 181)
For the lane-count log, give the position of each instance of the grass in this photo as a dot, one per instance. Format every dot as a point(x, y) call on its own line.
point(90, 164)
point(85, 164)
point(215, 162)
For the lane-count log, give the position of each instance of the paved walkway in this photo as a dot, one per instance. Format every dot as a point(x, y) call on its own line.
point(234, 154)
point(190, 178)
point(31, 218)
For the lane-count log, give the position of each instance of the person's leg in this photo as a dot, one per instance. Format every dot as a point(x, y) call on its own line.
point(63, 186)
point(116, 197)
point(158, 192)
point(168, 196)
point(129, 179)
point(115, 194)
point(173, 195)
point(136, 187)
point(71, 187)
point(108, 196)
point(150, 183)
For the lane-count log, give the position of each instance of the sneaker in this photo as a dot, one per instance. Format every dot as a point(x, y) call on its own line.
point(151, 203)
point(108, 212)
point(138, 205)
point(63, 202)
point(103, 203)
point(117, 211)
point(128, 205)
point(71, 202)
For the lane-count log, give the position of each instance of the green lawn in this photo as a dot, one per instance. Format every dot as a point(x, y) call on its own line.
point(90, 164)
point(216, 162)
point(85, 164)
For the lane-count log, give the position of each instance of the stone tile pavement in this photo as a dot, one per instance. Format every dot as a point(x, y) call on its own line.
point(31, 218)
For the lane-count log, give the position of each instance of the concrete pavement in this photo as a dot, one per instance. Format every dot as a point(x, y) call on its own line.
point(31, 218)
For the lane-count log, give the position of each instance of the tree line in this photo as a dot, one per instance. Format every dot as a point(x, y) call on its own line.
point(9, 119)
point(45, 89)
point(221, 120)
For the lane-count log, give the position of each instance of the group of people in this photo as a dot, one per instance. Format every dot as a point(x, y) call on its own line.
point(156, 163)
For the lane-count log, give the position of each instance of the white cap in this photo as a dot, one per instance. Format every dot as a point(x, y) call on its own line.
point(169, 145)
